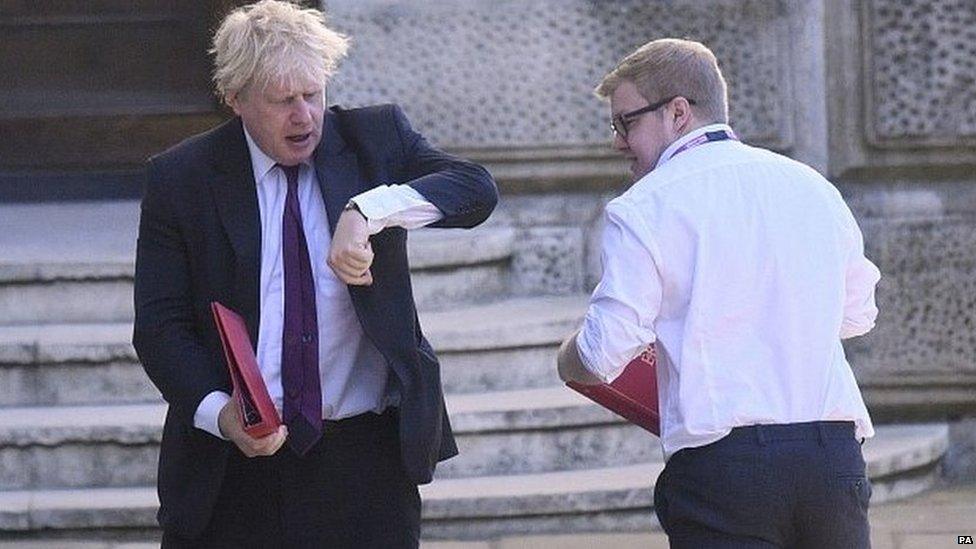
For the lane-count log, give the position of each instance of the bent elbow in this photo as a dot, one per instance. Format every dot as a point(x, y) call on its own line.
point(858, 326)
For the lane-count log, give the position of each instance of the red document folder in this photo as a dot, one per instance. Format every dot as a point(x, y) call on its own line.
point(257, 410)
point(633, 395)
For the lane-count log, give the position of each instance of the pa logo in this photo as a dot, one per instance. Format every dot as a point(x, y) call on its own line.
point(964, 540)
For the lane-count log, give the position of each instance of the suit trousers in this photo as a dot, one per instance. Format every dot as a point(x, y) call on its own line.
point(349, 491)
point(797, 485)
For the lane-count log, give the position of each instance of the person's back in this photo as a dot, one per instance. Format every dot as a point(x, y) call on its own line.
point(757, 254)
point(745, 269)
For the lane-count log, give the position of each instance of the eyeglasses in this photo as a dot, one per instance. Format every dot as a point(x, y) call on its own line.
point(618, 124)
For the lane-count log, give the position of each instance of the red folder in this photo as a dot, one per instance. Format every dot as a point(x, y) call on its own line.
point(258, 412)
point(633, 395)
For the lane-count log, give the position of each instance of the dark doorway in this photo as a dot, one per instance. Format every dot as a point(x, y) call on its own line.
point(91, 88)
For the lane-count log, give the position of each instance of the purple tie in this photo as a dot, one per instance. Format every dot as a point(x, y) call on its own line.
point(299, 339)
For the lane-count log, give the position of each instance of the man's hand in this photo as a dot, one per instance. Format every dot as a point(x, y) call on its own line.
point(232, 427)
point(570, 366)
point(351, 254)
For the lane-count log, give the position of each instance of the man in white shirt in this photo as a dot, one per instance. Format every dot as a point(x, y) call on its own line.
point(296, 216)
point(745, 269)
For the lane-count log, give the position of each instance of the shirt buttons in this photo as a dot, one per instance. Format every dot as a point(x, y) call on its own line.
point(307, 338)
point(327, 411)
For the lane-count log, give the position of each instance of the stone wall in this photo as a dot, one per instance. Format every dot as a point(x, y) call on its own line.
point(901, 84)
point(880, 95)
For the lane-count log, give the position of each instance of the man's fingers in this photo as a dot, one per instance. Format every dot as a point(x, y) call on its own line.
point(246, 449)
point(365, 279)
point(265, 446)
point(362, 257)
point(278, 443)
point(350, 272)
point(349, 267)
point(352, 265)
point(364, 254)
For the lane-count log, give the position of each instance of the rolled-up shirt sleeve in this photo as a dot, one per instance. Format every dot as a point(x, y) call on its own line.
point(860, 310)
point(619, 321)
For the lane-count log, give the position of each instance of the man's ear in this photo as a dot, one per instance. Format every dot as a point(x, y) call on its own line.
point(682, 117)
point(233, 100)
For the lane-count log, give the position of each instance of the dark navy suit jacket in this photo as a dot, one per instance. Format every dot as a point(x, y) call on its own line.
point(200, 241)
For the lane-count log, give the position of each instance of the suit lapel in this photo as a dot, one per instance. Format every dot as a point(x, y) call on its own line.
point(235, 194)
point(337, 168)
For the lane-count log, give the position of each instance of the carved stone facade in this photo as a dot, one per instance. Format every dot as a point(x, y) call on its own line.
point(902, 86)
point(475, 74)
point(921, 65)
point(878, 94)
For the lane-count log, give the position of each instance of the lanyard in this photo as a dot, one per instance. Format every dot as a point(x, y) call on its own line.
point(719, 135)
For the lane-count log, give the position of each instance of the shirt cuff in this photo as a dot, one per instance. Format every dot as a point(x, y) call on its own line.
point(208, 412)
point(395, 205)
point(585, 348)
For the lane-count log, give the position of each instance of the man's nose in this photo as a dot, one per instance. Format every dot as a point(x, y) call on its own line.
point(620, 143)
point(302, 113)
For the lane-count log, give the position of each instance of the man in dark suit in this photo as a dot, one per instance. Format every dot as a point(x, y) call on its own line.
point(296, 217)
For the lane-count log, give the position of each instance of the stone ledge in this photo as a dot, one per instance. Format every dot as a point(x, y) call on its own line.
point(577, 494)
point(902, 459)
point(67, 543)
point(60, 343)
point(531, 409)
point(51, 272)
point(92, 508)
point(572, 492)
point(559, 492)
point(53, 426)
point(521, 322)
point(511, 323)
point(439, 248)
point(471, 414)
point(886, 453)
point(426, 248)
point(920, 396)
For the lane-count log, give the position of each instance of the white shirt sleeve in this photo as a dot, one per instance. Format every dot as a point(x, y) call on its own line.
point(208, 412)
point(860, 310)
point(619, 321)
point(396, 206)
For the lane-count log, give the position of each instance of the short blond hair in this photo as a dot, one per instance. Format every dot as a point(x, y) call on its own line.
point(669, 67)
point(274, 41)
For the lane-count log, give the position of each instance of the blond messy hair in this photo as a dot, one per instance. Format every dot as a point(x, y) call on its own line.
point(274, 41)
point(669, 67)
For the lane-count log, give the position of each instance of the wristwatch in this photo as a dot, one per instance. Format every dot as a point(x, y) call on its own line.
point(353, 206)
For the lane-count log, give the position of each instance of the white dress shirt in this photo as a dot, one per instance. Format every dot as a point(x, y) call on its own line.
point(745, 269)
point(354, 375)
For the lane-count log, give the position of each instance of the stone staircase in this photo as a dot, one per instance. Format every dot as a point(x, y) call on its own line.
point(80, 423)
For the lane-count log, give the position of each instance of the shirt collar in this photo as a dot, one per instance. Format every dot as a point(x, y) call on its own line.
point(261, 163)
point(666, 155)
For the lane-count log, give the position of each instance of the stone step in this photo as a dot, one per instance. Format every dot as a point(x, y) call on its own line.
point(508, 433)
point(450, 507)
point(44, 364)
point(74, 263)
point(539, 431)
point(499, 433)
point(500, 346)
point(599, 499)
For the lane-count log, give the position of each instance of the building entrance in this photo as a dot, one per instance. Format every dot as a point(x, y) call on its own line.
point(93, 87)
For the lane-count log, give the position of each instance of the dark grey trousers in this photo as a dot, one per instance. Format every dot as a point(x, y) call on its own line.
point(349, 491)
point(797, 485)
